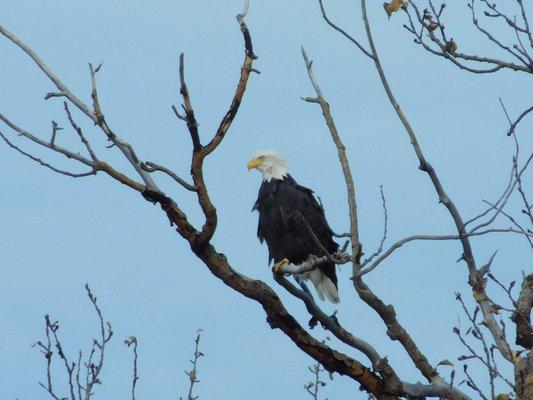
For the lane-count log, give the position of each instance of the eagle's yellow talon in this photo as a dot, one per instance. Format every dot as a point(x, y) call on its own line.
point(278, 265)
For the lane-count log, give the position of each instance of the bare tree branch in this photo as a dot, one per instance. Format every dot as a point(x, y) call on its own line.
point(476, 283)
point(96, 115)
point(63, 89)
point(493, 39)
point(124, 147)
point(201, 152)
point(132, 341)
point(431, 21)
point(93, 369)
point(385, 226)
point(387, 313)
point(56, 148)
point(97, 166)
point(313, 387)
point(193, 372)
point(45, 164)
point(380, 364)
point(277, 315)
point(341, 150)
point(55, 129)
point(487, 360)
point(153, 167)
point(413, 238)
point(342, 31)
point(80, 133)
point(498, 201)
point(513, 221)
point(381, 380)
point(526, 22)
point(46, 350)
point(190, 118)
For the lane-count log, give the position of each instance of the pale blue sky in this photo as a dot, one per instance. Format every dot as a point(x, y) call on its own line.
point(58, 233)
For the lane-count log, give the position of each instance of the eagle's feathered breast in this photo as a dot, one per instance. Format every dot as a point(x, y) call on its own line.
point(286, 212)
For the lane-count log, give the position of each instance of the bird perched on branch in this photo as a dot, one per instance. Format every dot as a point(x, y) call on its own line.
point(293, 224)
point(394, 6)
point(451, 46)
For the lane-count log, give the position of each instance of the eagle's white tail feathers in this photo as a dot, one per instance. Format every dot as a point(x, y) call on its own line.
point(323, 285)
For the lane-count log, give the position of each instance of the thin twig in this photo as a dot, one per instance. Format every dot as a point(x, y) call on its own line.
point(492, 368)
point(126, 148)
point(497, 202)
point(507, 290)
point(471, 383)
point(132, 340)
point(153, 167)
point(385, 225)
point(314, 386)
point(97, 166)
point(106, 333)
point(193, 372)
point(56, 148)
point(190, 118)
point(55, 129)
point(342, 31)
point(492, 38)
point(413, 238)
point(329, 323)
point(518, 174)
point(80, 133)
point(513, 221)
point(48, 354)
point(45, 164)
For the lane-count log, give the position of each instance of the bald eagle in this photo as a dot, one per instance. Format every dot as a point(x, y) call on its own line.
point(289, 217)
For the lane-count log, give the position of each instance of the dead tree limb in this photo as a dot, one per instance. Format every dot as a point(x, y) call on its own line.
point(476, 282)
point(199, 239)
point(387, 313)
point(430, 33)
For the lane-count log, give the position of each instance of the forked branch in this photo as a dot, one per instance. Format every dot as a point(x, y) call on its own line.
point(386, 312)
point(79, 388)
point(199, 240)
point(474, 280)
point(430, 32)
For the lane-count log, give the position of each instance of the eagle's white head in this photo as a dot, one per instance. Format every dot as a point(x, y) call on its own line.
point(270, 163)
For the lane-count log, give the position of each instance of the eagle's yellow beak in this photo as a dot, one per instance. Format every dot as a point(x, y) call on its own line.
point(253, 164)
